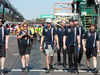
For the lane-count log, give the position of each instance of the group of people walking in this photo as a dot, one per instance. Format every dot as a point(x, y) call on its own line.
point(71, 39)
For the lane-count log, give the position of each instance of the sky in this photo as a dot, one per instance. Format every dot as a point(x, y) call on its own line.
point(32, 9)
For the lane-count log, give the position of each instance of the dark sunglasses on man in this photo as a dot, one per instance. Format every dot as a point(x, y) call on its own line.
point(48, 22)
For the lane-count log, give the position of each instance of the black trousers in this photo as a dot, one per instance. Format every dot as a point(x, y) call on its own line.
point(73, 56)
point(80, 54)
point(59, 52)
point(90, 2)
point(77, 7)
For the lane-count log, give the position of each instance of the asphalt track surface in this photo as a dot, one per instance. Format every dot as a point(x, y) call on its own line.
point(37, 64)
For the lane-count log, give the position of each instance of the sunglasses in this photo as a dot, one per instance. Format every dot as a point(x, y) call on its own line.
point(25, 26)
point(48, 22)
point(75, 24)
point(0, 21)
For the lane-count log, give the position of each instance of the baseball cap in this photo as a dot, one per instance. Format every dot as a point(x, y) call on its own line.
point(48, 20)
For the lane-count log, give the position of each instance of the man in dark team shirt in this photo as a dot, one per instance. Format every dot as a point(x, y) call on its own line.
point(72, 43)
point(3, 45)
point(60, 33)
point(25, 37)
point(91, 47)
point(48, 40)
point(81, 33)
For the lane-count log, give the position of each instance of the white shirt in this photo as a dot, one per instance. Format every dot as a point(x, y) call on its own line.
point(98, 1)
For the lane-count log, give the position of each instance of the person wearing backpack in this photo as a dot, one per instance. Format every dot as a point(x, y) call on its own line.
point(3, 44)
point(25, 37)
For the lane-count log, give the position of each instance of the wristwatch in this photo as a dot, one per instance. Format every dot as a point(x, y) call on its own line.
point(40, 45)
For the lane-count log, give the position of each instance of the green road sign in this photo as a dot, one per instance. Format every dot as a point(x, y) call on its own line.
point(2, 11)
point(78, 1)
point(47, 16)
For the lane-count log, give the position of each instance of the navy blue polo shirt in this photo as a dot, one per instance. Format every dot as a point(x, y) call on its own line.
point(22, 40)
point(71, 36)
point(5, 33)
point(89, 36)
point(81, 32)
point(49, 34)
point(60, 33)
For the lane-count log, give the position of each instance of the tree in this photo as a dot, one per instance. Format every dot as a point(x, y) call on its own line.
point(28, 20)
point(39, 20)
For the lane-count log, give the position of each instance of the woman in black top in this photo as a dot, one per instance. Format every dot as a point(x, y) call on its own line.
point(25, 37)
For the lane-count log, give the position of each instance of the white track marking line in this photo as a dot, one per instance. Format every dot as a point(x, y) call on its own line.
point(37, 70)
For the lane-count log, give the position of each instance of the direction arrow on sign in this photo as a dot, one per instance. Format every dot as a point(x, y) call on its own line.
point(47, 16)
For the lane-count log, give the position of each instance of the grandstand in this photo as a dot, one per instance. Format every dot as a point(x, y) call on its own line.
point(9, 12)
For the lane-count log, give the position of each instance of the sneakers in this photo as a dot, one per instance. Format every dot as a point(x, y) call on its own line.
point(24, 69)
point(71, 70)
point(76, 72)
point(80, 64)
point(47, 71)
point(2, 72)
point(88, 69)
point(51, 67)
point(27, 69)
point(64, 66)
point(58, 64)
point(95, 71)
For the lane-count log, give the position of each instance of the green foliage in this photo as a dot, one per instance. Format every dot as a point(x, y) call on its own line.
point(39, 20)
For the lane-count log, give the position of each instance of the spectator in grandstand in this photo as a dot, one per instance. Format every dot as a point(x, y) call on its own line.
point(48, 38)
point(81, 33)
point(25, 37)
point(71, 39)
point(91, 47)
point(3, 45)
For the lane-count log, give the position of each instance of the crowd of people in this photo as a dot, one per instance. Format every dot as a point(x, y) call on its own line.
point(69, 39)
point(72, 40)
